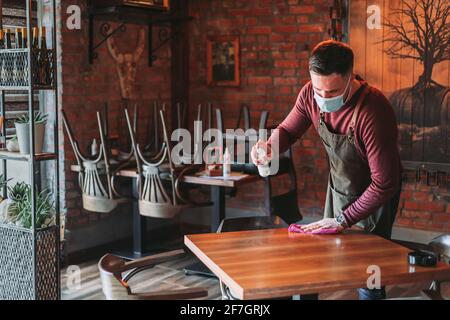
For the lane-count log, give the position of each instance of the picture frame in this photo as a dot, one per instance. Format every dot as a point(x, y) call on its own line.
point(223, 65)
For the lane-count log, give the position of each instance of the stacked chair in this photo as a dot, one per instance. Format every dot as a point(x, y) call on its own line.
point(96, 176)
point(160, 179)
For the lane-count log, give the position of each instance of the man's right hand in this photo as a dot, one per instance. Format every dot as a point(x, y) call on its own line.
point(257, 158)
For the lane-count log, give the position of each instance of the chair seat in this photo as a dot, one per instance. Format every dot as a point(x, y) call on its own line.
point(160, 210)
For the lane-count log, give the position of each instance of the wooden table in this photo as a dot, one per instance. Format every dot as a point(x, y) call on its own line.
point(218, 186)
point(274, 263)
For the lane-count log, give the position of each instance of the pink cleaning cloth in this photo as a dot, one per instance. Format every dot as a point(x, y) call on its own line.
point(297, 228)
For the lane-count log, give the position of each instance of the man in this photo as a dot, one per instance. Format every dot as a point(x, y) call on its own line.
point(358, 128)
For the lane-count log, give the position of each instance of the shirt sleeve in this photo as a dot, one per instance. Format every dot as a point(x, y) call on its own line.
point(378, 134)
point(294, 125)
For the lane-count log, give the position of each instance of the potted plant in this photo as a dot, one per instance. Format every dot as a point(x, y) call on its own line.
point(22, 124)
point(20, 276)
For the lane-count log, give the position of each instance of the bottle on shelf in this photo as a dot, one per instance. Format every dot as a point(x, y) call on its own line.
point(8, 44)
point(24, 38)
point(35, 38)
point(5, 71)
point(2, 39)
point(18, 38)
point(44, 60)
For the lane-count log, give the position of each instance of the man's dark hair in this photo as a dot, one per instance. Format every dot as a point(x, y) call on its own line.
point(331, 57)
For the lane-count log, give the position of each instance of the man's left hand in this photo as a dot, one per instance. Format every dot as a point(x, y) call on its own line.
point(326, 223)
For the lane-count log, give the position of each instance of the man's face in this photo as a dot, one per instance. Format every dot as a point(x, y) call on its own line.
point(329, 86)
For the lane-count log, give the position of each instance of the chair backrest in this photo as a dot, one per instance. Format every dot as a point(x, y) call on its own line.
point(115, 274)
point(94, 175)
point(111, 278)
point(156, 178)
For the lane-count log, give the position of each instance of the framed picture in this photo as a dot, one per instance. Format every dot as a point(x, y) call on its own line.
point(222, 53)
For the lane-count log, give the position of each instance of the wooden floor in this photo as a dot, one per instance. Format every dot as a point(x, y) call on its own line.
point(170, 275)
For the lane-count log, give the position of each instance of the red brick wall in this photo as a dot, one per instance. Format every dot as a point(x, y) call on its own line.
point(276, 37)
point(86, 87)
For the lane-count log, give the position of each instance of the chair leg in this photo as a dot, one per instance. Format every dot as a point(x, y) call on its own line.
point(434, 292)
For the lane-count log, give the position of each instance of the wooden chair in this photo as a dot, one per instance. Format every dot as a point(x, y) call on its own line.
point(96, 176)
point(159, 179)
point(115, 273)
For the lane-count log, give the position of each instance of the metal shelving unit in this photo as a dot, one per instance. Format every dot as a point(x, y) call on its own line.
point(30, 258)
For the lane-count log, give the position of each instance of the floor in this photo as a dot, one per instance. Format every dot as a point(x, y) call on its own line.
point(170, 275)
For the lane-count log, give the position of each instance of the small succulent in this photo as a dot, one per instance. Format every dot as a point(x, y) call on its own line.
point(39, 117)
point(18, 191)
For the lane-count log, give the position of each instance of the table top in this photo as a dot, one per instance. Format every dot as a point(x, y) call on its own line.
point(275, 263)
point(235, 179)
point(197, 178)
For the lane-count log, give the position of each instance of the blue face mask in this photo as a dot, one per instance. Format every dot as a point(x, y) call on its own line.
point(331, 104)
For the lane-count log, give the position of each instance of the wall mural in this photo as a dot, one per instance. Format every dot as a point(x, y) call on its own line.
point(405, 53)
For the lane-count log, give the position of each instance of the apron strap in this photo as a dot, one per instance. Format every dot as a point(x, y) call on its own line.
point(356, 112)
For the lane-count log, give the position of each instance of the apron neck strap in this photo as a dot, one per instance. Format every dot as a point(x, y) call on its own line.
point(359, 103)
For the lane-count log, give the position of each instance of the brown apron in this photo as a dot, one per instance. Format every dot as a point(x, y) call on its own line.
point(350, 176)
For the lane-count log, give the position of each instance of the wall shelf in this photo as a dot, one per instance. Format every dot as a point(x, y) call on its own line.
point(132, 15)
point(30, 255)
point(8, 155)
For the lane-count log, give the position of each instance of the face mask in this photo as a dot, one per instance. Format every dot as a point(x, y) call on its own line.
point(331, 104)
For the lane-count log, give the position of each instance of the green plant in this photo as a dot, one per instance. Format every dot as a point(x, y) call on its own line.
point(20, 209)
point(39, 117)
point(18, 191)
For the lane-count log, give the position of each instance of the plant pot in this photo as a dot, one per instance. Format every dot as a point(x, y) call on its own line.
point(23, 137)
point(19, 280)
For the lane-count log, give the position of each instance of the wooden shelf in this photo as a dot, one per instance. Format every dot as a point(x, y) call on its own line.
point(8, 155)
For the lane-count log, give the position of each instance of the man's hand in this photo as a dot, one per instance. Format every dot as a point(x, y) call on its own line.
point(326, 223)
point(258, 160)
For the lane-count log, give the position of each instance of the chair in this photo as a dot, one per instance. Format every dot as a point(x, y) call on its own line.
point(96, 176)
point(283, 205)
point(439, 246)
point(159, 179)
point(115, 273)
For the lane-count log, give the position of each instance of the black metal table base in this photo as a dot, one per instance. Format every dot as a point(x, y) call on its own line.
point(198, 269)
point(218, 214)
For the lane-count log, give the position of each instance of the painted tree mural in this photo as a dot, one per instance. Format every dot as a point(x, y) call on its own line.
point(420, 30)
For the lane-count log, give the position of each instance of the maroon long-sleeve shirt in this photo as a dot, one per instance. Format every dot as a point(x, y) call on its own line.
point(375, 137)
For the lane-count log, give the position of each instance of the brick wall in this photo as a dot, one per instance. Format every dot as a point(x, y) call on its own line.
point(86, 87)
point(276, 37)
